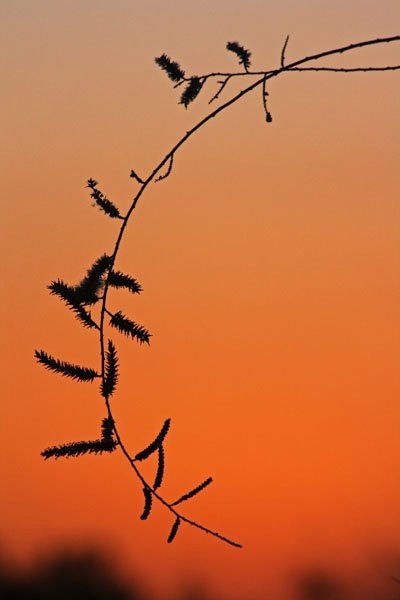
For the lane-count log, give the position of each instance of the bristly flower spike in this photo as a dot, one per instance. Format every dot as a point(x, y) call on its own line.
point(102, 202)
point(88, 289)
point(130, 328)
point(120, 280)
point(155, 444)
point(110, 378)
point(172, 68)
point(107, 428)
point(191, 92)
point(64, 368)
point(241, 53)
point(193, 492)
point(174, 530)
point(148, 502)
point(70, 297)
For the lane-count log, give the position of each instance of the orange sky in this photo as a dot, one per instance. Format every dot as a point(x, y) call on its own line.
point(270, 267)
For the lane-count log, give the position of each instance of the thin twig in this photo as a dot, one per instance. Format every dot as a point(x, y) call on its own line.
point(264, 97)
point(181, 82)
point(168, 171)
point(221, 88)
point(283, 51)
point(345, 70)
point(134, 175)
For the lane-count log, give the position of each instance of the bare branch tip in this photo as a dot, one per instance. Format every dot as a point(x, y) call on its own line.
point(283, 51)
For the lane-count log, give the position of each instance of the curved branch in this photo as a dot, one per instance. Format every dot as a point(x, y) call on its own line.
point(167, 161)
point(294, 66)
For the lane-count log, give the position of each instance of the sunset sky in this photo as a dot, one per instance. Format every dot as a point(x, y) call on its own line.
point(269, 262)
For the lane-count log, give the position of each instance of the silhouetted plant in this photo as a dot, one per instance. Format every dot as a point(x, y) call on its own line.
point(80, 573)
point(94, 287)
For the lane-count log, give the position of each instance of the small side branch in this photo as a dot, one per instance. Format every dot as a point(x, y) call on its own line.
point(220, 89)
point(135, 176)
point(283, 52)
point(268, 116)
point(345, 70)
point(168, 171)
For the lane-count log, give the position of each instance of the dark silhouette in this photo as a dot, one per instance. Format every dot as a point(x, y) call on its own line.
point(101, 276)
point(319, 586)
point(85, 573)
point(67, 575)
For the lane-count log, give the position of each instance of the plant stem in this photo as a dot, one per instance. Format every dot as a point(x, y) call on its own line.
point(265, 75)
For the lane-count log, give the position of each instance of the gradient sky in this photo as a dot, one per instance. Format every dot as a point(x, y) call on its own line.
point(270, 267)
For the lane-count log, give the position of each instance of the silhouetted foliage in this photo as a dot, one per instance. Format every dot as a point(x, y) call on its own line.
point(65, 368)
point(70, 297)
point(87, 574)
point(110, 378)
point(87, 291)
point(160, 468)
point(172, 68)
point(119, 280)
point(76, 574)
point(191, 91)
point(156, 443)
point(107, 429)
point(79, 448)
point(174, 530)
point(101, 276)
point(102, 202)
point(148, 502)
point(130, 328)
point(193, 492)
point(241, 53)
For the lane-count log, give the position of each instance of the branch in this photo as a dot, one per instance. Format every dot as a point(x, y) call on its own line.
point(283, 51)
point(108, 277)
point(168, 171)
point(265, 75)
point(219, 91)
point(346, 70)
point(268, 116)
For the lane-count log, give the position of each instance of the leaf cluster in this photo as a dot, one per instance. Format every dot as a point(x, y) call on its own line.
point(191, 92)
point(194, 82)
point(155, 446)
point(67, 293)
point(88, 290)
